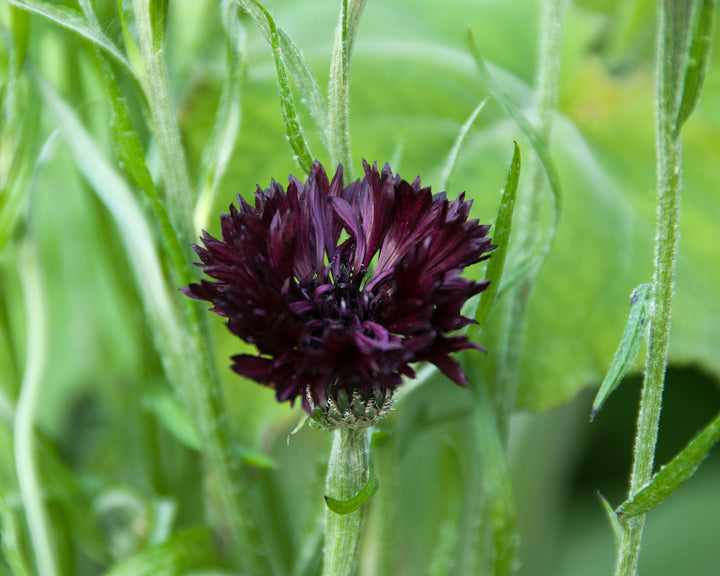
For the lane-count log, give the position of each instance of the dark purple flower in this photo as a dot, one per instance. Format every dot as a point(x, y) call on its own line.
point(342, 288)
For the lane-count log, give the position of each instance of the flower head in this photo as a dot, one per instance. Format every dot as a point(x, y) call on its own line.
point(342, 288)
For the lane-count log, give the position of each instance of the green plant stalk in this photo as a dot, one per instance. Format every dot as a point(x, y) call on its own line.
point(339, 86)
point(205, 390)
point(28, 477)
point(165, 128)
point(347, 473)
point(669, 152)
point(527, 219)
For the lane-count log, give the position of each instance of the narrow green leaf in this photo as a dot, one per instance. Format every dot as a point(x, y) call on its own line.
point(158, 19)
point(73, 20)
point(256, 459)
point(11, 551)
point(372, 485)
point(501, 237)
point(35, 301)
point(534, 260)
point(185, 552)
point(629, 346)
point(20, 28)
point(698, 63)
point(613, 519)
point(227, 118)
point(460, 140)
point(673, 475)
point(497, 488)
point(293, 58)
point(293, 129)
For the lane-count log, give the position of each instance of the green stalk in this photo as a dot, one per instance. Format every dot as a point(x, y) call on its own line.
point(669, 157)
point(527, 218)
point(347, 473)
point(28, 477)
point(165, 128)
point(202, 388)
point(339, 86)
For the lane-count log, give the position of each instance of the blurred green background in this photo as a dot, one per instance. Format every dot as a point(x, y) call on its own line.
point(413, 85)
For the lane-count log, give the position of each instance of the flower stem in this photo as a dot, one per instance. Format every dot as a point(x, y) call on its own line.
point(347, 474)
point(669, 157)
point(27, 472)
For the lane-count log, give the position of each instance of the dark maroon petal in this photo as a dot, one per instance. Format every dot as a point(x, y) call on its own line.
point(343, 287)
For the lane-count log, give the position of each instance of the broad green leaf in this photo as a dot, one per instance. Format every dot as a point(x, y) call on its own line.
point(73, 20)
point(453, 156)
point(698, 62)
point(184, 553)
point(629, 346)
point(501, 238)
point(672, 475)
point(227, 119)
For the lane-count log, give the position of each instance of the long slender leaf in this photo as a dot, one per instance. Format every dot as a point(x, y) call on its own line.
point(501, 237)
point(615, 525)
point(297, 65)
point(185, 552)
point(535, 259)
point(459, 141)
point(227, 119)
point(23, 431)
point(73, 20)
point(293, 129)
point(339, 95)
point(9, 541)
point(672, 475)
point(629, 346)
point(698, 62)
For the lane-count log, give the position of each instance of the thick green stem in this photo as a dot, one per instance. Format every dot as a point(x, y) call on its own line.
point(669, 156)
point(347, 474)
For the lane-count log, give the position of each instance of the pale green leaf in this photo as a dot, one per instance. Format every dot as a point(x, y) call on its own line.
point(699, 60)
point(672, 475)
point(453, 156)
point(501, 238)
point(293, 129)
point(11, 551)
point(612, 519)
point(629, 346)
point(74, 21)
point(227, 118)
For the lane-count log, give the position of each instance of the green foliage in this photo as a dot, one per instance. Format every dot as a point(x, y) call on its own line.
point(114, 245)
point(629, 346)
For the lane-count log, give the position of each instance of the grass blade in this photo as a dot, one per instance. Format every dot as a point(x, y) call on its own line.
point(698, 62)
point(453, 156)
point(73, 20)
point(25, 462)
point(629, 346)
point(297, 65)
point(535, 259)
point(293, 129)
point(673, 475)
point(501, 237)
point(9, 541)
point(227, 119)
